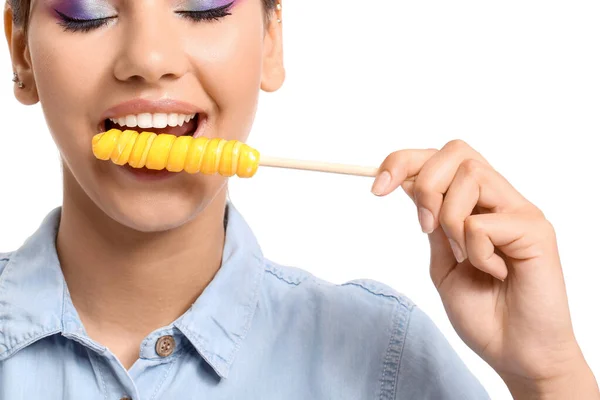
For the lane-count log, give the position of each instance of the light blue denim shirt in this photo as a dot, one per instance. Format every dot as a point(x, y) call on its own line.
point(260, 331)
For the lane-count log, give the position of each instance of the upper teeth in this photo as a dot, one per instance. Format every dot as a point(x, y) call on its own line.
point(147, 120)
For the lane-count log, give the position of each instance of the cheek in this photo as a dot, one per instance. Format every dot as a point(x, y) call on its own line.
point(230, 67)
point(68, 79)
point(66, 71)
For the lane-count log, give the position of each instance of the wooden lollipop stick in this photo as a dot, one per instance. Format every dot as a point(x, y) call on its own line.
point(344, 169)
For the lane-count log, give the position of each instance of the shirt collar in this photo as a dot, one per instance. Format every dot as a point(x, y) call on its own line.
point(221, 317)
point(35, 303)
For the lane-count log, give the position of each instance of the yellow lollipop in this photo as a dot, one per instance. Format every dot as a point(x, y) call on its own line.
point(193, 155)
point(176, 153)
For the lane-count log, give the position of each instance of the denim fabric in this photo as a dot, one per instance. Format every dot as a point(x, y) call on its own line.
point(260, 331)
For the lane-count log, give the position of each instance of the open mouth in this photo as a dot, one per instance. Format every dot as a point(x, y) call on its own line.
point(172, 123)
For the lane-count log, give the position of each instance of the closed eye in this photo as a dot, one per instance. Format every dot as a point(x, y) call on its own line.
point(213, 14)
point(81, 25)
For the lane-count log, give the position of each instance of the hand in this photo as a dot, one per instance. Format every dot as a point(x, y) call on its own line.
point(495, 264)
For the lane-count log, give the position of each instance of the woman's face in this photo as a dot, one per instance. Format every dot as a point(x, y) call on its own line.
point(132, 57)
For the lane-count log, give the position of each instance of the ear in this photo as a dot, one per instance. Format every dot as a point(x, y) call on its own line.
point(273, 72)
point(21, 59)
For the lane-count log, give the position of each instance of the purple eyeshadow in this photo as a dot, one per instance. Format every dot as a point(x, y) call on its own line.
point(97, 9)
point(84, 9)
point(203, 5)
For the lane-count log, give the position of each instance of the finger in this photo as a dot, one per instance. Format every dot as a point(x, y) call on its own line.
point(475, 184)
point(482, 254)
point(435, 178)
point(397, 167)
point(409, 188)
point(442, 261)
point(519, 237)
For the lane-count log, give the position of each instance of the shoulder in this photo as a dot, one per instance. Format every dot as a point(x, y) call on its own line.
point(371, 328)
point(352, 331)
point(358, 310)
point(291, 283)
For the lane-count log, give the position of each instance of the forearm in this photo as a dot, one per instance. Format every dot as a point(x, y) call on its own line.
point(579, 384)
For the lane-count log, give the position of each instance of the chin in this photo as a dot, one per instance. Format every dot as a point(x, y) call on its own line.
point(145, 217)
point(156, 210)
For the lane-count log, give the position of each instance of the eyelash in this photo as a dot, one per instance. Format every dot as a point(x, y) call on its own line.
point(86, 25)
point(207, 15)
point(81, 25)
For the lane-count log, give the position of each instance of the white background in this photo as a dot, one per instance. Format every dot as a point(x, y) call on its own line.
point(518, 80)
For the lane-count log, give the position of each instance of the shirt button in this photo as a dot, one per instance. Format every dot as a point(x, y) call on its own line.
point(165, 346)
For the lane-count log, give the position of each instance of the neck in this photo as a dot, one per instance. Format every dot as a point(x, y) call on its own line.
point(130, 282)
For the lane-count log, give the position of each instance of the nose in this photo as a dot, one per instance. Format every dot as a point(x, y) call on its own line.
point(149, 51)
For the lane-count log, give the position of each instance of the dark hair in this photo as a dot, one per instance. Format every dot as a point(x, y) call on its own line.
point(20, 10)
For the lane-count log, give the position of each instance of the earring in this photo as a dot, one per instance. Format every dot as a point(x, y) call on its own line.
point(279, 11)
point(17, 81)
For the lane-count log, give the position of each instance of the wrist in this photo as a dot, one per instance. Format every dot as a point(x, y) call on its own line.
point(577, 382)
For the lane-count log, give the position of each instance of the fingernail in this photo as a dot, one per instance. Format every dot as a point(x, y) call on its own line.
point(426, 220)
point(458, 254)
point(381, 183)
point(501, 279)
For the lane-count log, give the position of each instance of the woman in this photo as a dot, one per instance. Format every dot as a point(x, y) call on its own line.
point(147, 285)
